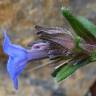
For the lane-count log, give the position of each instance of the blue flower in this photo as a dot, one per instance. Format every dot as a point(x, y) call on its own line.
point(17, 59)
point(19, 56)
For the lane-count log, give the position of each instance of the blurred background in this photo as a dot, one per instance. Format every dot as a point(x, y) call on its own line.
point(19, 17)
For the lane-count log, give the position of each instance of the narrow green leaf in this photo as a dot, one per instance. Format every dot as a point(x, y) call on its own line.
point(81, 26)
point(88, 25)
point(68, 69)
point(58, 69)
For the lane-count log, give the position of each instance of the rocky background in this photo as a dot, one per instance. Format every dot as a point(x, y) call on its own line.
point(19, 17)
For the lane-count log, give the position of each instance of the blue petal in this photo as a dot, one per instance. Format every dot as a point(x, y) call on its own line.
point(15, 66)
point(10, 69)
point(12, 49)
point(17, 59)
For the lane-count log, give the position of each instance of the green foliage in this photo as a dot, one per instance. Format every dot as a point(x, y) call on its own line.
point(77, 42)
point(85, 30)
point(82, 27)
point(67, 69)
